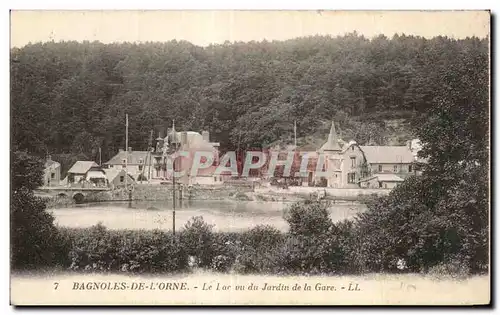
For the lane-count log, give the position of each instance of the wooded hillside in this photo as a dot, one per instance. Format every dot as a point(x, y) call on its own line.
point(71, 98)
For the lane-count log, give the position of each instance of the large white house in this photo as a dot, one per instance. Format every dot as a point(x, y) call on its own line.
point(349, 165)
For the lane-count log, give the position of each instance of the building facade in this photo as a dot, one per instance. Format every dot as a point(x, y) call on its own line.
point(157, 164)
point(116, 178)
point(137, 163)
point(397, 160)
point(77, 172)
point(52, 173)
point(338, 164)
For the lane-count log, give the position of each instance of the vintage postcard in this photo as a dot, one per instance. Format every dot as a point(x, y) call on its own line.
point(250, 158)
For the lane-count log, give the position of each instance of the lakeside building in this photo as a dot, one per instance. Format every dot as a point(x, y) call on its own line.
point(335, 164)
point(135, 162)
point(116, 178)
point(349, 165)
point(189, 142)
point(52, 173)
point(78, 171)
point(156, 164)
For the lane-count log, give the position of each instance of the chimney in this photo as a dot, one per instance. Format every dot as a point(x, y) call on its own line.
point(206, 136)
point(183, 138)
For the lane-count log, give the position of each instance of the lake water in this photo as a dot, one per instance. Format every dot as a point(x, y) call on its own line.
point(224, 215)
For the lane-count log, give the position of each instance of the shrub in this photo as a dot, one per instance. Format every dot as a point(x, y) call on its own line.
point(314, 243)
point(453, 267)
point(425, 226)
point(308, 218)
point(348, 243)
point(311, 255)
point(97, 249)
point(35, 241)
point(198, 240)
point(259, 248)
point(226, 247)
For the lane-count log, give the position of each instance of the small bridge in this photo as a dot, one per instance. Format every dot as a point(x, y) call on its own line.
point(77, 193)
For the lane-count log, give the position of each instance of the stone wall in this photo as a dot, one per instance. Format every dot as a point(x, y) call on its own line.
point(164, 192)
point(334, 192)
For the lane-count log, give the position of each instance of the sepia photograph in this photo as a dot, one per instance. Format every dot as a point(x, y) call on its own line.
point(245, 157)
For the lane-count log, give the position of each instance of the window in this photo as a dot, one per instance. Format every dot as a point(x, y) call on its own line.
point(395, 168)
point(385, 185)
point(353, 161)
point(122, 178)
point(124, 161)
point(351, 178)
point(52, 175)
point(409, 168)
point(352, 148)
point(379, 185)
point(380, 168)
point(140, 167)
point(215, 178)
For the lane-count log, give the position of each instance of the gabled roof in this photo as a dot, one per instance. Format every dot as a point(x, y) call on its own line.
point(387, 154)
point(82, 167)
point(133, 157)
point(51, 163)
point(111, 173)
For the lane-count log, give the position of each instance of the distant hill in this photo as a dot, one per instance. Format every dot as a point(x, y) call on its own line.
point(71, 98)
point(386, 132)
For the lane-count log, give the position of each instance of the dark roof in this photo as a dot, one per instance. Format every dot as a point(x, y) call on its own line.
point(388, 154)
point(133, 157)
point(82, 167)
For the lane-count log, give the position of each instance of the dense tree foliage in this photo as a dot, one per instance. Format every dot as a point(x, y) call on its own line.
point(441, 216)
point(35, 241)
point(71, 98)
